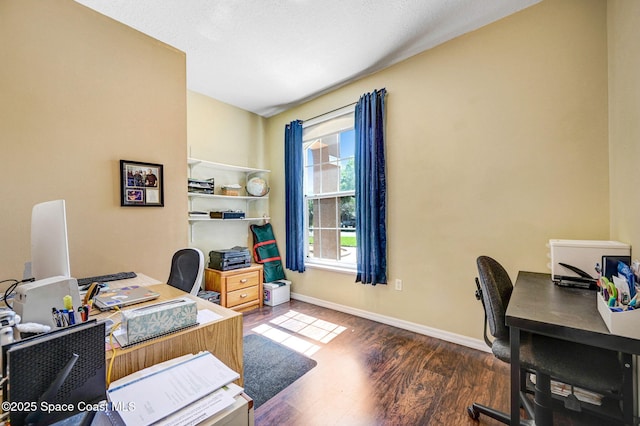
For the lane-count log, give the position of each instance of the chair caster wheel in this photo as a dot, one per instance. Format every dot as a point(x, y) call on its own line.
point(473, 413)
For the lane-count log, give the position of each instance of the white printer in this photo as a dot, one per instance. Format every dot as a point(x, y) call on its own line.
point(569, 257)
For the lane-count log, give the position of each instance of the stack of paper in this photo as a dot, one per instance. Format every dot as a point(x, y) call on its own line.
point(565, 390)
point(182, 391)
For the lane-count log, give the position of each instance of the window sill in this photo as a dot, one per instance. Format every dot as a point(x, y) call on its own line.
point(343, 269)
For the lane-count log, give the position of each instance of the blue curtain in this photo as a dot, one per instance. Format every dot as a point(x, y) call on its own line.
point(371, 189)
point(294, 200)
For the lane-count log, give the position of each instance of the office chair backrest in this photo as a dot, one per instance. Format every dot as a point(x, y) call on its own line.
point(496, 292)
point(187, 268)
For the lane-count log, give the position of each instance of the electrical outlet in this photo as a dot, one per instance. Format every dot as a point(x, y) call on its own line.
point(398, 284)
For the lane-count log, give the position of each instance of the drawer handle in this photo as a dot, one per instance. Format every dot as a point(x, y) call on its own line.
point(244, 280)
point(242, 296)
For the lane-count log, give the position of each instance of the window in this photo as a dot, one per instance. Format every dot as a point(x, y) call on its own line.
point(329, 189)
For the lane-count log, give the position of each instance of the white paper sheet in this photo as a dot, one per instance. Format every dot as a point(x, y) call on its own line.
point(205, 316)
point(202, 409)
point(158, 394)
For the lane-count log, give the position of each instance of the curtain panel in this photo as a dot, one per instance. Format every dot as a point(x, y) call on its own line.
point(294, 199)
point(371, 189)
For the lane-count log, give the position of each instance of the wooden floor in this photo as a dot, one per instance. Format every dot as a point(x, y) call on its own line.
point(369, 373)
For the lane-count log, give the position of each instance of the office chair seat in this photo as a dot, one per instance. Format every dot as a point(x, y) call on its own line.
point(596, 369)
point(187, 268)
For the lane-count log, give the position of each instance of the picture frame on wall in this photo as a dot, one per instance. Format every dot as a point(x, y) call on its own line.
point(141, 184)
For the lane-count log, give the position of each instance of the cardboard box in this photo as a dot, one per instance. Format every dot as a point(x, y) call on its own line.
point(625, 323)
point(277, 292)
point(583, 254)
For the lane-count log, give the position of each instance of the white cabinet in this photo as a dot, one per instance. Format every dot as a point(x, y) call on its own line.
point(201, 204)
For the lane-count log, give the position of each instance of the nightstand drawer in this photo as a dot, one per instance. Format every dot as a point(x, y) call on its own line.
point(240, 289)
point(243, 280)
point(244, 295)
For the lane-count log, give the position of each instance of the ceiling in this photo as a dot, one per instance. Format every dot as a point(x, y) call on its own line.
point(266, 56)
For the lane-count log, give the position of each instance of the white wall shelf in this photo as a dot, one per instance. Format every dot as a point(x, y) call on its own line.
point(227, 197)
point(255, 208)
point(226, 167)
point(208, 219)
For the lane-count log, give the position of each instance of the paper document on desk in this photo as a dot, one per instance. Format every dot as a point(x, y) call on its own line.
point(204, 408)
point(157, 393)
point(206, 316)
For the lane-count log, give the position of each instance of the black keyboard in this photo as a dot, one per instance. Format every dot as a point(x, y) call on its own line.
point(105, 278)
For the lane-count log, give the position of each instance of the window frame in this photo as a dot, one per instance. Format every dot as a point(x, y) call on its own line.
point(317, 262)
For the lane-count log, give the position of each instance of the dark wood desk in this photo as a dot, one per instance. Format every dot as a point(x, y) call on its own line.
point(541, 307)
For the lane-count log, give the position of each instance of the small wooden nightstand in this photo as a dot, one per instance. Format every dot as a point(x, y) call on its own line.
point(240, 289)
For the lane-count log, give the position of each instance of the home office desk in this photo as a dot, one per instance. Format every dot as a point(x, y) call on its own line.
point(222, 337)
point(538, 306)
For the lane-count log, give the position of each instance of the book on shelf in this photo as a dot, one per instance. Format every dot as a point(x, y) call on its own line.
point(199, 186)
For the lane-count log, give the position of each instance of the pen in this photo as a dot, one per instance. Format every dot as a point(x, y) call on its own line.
point(68, 308)
point(56, 317)
point(68, 317)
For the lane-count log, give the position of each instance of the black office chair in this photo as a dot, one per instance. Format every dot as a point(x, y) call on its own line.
point(571, 363)
point(187, 268)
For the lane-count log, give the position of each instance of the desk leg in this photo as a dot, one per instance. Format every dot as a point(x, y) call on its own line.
point(627, 388)
point(514, 336)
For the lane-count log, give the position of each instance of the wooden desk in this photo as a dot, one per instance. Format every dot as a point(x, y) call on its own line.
point(221, 337)
point(541, 307)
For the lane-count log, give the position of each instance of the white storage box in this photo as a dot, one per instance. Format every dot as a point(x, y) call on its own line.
point(625, 323)
point(277, 292)
point(583, 254)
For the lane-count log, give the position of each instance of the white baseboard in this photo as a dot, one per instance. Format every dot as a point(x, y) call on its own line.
point(395, 322)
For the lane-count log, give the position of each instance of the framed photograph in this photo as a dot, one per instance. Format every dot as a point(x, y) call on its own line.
point(141, 184)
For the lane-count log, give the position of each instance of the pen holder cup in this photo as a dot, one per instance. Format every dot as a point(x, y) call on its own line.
point(625, 323)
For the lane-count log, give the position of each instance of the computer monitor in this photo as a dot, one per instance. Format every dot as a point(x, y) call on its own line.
point(49, 245)
point(49, 266)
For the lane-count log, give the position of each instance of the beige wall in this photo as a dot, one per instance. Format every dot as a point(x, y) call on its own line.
point(222, 133)
point(623, 23)
point(496, 142)
point(79, 92)
point(493, 138)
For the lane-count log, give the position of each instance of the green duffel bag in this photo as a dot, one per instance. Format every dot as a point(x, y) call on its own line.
point(265, 251)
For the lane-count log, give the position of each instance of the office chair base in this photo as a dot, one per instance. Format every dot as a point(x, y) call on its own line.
point(475, 409)
point(473, 412)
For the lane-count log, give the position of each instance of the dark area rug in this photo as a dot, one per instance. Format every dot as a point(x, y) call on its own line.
point(269, 367)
